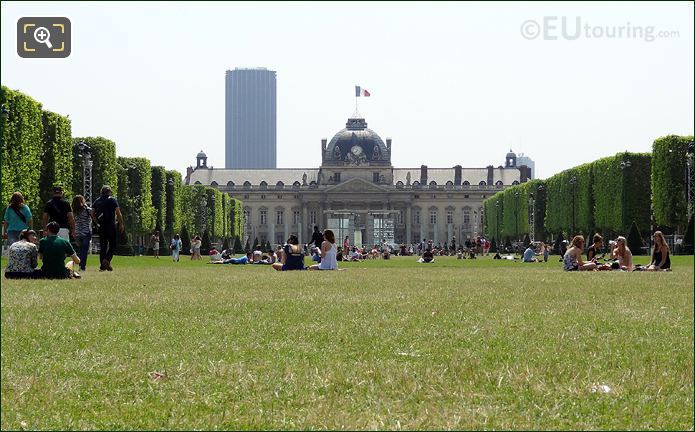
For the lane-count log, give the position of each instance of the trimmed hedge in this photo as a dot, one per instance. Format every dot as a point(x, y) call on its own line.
point(174, 218)
point(158, 181)
point(493, 216)
point(22, 146)
point(668, 181)
point(140, 214)
point(56, 168)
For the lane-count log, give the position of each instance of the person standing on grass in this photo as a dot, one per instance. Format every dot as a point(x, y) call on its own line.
point(155, 244)
point(175, 247)
point(316, 237)
point(52, 251)
point(23, 257)
point(17, 218)
point(83, 228)
point(346, 243)
point(58, 210)
point(106, 212)
point(195, 248)
point(546, 251)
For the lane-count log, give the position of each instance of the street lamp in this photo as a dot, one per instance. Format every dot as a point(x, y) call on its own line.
point(516, 214)
point(204, 219)
point(573, 182)
point(497, 225)
point(689, 166)
point(85, 151)
point(532, 211)
point(212, 201)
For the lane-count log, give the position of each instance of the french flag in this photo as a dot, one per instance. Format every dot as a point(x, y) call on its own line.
point(359, 91)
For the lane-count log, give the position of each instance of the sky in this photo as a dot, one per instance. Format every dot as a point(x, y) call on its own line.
point(450, 83)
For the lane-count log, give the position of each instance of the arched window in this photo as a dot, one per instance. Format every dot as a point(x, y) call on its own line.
point(197, 182)
point(280, 185)
point(515, 182)
point(399, 185)
point(433, 184)
point(296, 185)
point(416, 183)
point(499, 183)
point(449, 184)
point(230, 184)
point(466, 183)
point(263, 185)
point(482, 183)
point(214, 184)
point(247, 185)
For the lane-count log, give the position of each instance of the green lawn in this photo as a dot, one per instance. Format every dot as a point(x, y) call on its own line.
point(382, 345)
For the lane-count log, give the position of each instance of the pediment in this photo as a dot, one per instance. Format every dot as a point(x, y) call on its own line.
point(357, 185)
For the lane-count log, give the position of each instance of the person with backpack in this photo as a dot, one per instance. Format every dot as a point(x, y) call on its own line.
point(83, 228)
point(105, 211)
point(58, 210)
point(17, 218)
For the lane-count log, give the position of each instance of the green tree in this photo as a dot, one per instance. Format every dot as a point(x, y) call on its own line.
point(104, 166)
point(158, 191)
point(57, 167)
point(668, 180)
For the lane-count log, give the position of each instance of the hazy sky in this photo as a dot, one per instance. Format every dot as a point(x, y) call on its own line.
point(450, 83)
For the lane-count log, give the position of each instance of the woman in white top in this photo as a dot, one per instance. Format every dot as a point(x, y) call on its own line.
point(623, 254)
point(329, 253)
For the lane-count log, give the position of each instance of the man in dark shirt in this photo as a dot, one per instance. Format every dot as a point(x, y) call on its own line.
point(106, 211)
point(52, 251)
point(58, 210)
point(316, 237)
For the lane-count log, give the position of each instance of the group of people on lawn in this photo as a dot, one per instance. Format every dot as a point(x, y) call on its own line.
point(63, 222)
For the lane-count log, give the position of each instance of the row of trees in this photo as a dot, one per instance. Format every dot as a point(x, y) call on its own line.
point(609, 195)
point(38, 152)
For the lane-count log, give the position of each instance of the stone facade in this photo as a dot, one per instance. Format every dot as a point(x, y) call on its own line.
point(357, 192)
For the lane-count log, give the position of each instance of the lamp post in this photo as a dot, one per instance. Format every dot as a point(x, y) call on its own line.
point(532, 211)
point(516, 214)
point(573, 182)
point(85, 151)
point(204, 219)
point(170, 207)
point(689, 172)
point(212, 201)
point(624, 165)
point(497, 225)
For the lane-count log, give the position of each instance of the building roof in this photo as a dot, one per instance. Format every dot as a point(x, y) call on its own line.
point(254, 176)
point(356, 144)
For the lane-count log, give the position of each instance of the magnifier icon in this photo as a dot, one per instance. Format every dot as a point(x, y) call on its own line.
point(42, 35)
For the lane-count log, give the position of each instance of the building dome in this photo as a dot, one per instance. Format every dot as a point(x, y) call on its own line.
point(511, 154)
point(201, 154)
point(356, 145)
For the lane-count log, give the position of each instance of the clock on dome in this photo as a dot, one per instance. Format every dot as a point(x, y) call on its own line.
point(356, 150)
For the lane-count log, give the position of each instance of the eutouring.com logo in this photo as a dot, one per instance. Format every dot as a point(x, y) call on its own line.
point(572, 28)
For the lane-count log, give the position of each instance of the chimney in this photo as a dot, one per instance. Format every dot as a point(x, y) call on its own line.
point(457, 175)
point(423, 175)
point(189, 172)
point(490, 175)
point(388, 144)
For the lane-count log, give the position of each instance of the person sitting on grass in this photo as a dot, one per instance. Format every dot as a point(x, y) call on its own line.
point(316, 254)
point(329, 252)
point(427, 256)
point(267, 259)
point(572, 260)
point(23, 257)
point(52, 251)
point(661, 257)
point(622, 253)
point(530, 254)
point(292, 256)
point(595, 248)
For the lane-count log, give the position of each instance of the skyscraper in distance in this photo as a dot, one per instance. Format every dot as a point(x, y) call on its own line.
point(250, 118)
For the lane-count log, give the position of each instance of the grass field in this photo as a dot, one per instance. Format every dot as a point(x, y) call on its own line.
point(382, 345)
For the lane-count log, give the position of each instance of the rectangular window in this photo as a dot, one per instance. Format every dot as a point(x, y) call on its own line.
point(375, 177)
point(449, 217)
point(280, 217)
point(247, 214)
point(433, 217)
point(312, 217)
point(264, 217)
point(295, 217)
point(466, 217)
point(399, 218)
point(336, 177)
point(416, 217)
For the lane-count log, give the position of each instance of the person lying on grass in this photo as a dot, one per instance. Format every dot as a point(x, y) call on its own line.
point(572, 260)
point(329, 253)
point(246, 259)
